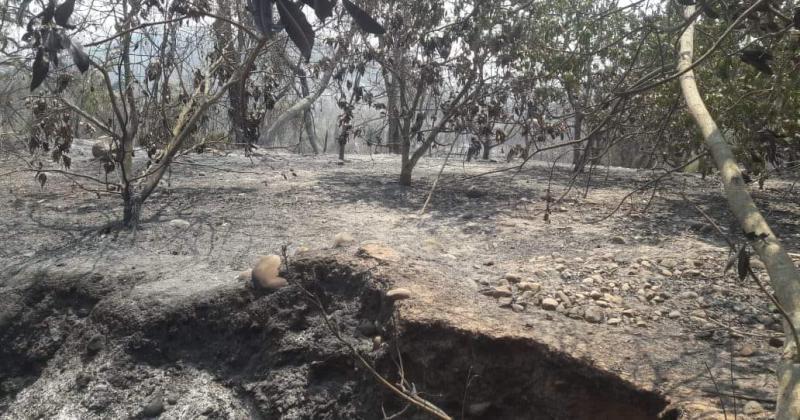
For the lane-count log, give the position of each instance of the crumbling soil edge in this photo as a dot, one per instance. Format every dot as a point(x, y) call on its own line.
point(272, 351)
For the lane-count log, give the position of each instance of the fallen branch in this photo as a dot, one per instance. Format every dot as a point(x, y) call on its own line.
point(435, 181)
point(411, 398)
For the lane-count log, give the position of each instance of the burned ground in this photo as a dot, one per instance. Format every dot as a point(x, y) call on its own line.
point(107, 323)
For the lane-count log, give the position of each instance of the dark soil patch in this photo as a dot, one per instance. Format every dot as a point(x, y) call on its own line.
point(274, 354)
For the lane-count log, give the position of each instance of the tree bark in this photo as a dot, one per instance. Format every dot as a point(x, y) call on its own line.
point(312, 134)
point(783, 274)
point(487, 149)
point(408, 164)
point(306, 102)
point(392, 83)
point(237, 94)
point(308, 122)
point(578, 155)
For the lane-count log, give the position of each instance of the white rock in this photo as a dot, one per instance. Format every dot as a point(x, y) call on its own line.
point(753, 408)
point(179, 223)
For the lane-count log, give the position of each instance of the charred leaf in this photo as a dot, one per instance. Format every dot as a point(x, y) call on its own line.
point(757, 57)
point(297, 27)
point(322, 8)
point(41, 66)
point(63, 13)
point(79, 57)
point(363, 19)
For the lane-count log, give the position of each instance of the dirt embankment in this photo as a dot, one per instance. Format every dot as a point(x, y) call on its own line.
point(86, 345)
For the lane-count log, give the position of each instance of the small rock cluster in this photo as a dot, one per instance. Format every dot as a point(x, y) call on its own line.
point(614, 289)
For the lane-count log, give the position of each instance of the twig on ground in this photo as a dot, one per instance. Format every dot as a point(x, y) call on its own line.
point(436, 180)
point(737, 331)
point(646, 185)
point(744, 397)
point(395, 415)
point(719, 393)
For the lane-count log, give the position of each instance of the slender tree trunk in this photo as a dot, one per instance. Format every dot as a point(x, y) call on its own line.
point(487, 150)
point(305, 103)
point(308, 121)
point(783, 274)
point(392, 83)
point(578, 155)
point(129, 121)
point(237, 96)
point(405, 175)
point(409, 164)
point(393, 137)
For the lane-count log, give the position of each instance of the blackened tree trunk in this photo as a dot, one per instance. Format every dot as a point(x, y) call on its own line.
point(487, 149)
point(241, 131)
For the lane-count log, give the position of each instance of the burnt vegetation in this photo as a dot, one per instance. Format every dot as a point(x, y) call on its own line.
point(112, 97)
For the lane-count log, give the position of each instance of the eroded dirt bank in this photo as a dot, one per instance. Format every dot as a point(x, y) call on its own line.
point(89, 345)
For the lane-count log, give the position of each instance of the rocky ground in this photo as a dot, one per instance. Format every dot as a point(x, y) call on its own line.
point(627, 312)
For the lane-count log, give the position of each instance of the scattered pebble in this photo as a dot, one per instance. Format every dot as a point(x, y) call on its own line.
point(179, 224)
point(82, 380)
point(549, 304)
point(172, 398)
point(474, 192)
point(498, 292)
point(154, 406)
point(95, 344)
point(594, 314)
point(529, 286)
point(564, 299)
point(746, 351)
point(753, 408)
point(618, 240)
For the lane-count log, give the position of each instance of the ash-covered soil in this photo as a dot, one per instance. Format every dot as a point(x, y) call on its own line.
point(584, 316)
